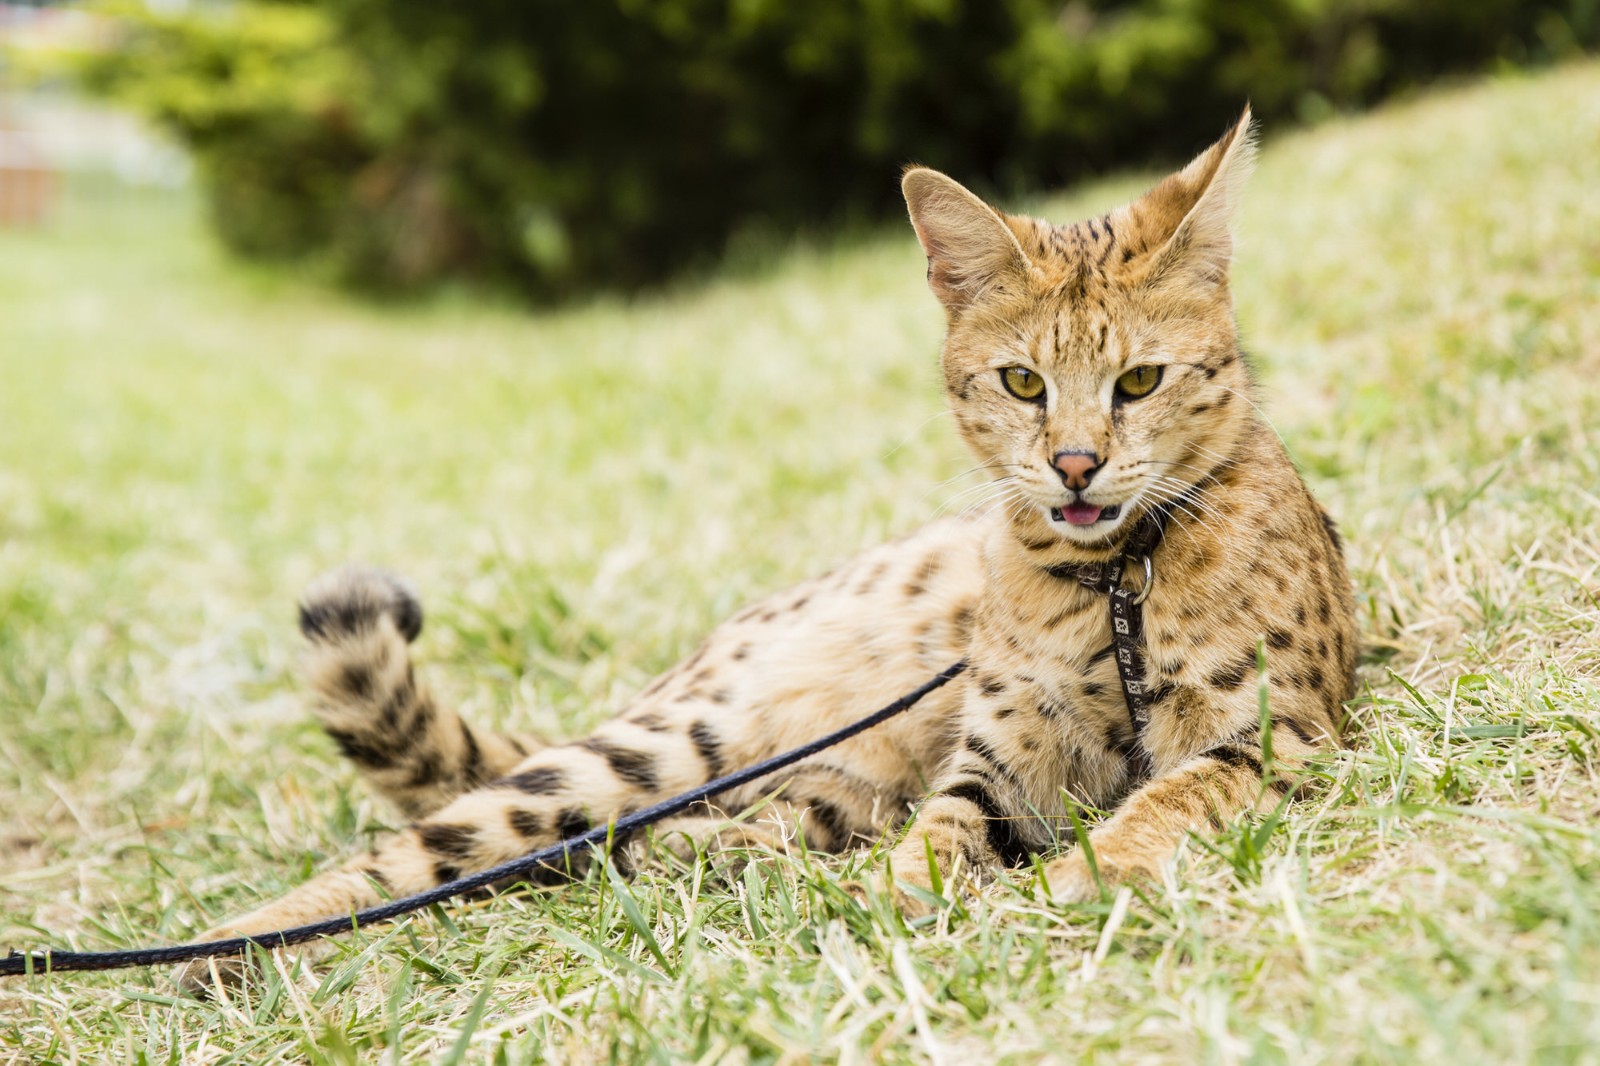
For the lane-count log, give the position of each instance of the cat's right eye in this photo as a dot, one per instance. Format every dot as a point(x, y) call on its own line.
point(1022, 383)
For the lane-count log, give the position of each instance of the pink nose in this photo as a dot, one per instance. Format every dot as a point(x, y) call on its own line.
point(1076, 468)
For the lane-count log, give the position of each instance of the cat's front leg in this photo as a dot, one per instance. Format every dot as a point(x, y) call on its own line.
point(974, 820)
point(1205, 790)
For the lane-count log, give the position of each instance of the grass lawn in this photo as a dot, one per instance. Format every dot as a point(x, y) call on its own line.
point(185, 441)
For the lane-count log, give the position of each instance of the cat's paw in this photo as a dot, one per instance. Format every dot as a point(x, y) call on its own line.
point(201, 977)
point(726, 845)
point(353, 598)
point(1072, 880)
point(912, 889)
point(907, 894)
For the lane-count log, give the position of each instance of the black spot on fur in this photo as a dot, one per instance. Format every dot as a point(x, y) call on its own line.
point(1003, 838)
point(1295, 726)
point(408, 617)
point(571, 822)
point(1233, 676)
point(872, 579)
point(1005, 712)
point(1161, 692)
point(527, 823)
point(450, 841)
point(982, 749)
point(363, 751)
point(540, 781)
point(356, 679)
point(471, 755)
point(320, 621)
point(1280, 639)
point(1236, 757)
point(709, 745)
point(831, 822)
point(1332, 529)
point(393, 712)
point(993, 686)
point(1065, 572)
point(651, 721)
point(637, 768)
point(445, 872)
point(1054, 708)
point(1103, 653)
point(426, 771)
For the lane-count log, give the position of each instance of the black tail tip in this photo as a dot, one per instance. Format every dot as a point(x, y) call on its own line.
point(353, 599)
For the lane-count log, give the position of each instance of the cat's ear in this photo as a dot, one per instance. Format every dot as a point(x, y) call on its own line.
point(1187, 219)
point(971, 251)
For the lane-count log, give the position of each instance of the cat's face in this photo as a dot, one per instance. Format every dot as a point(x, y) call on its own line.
point(1092, 369)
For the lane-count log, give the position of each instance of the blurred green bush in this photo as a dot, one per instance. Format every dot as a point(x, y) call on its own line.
point(569, 144)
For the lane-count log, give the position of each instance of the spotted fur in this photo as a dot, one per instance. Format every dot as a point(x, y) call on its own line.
point(1038, 724)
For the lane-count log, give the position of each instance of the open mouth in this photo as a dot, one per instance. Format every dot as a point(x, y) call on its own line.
point(1084, 514)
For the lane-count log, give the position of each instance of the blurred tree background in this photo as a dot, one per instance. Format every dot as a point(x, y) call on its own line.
point(561, 146)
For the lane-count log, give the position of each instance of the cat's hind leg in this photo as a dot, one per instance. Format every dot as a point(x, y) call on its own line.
point(415, 752)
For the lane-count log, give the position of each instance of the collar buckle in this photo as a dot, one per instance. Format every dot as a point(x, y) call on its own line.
point(1149, 580)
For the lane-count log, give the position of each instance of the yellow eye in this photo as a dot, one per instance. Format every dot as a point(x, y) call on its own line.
point(1022, 383)
point(1140, 381)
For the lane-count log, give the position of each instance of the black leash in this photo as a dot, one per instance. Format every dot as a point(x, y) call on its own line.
point(49, 960)
point(1127, 635)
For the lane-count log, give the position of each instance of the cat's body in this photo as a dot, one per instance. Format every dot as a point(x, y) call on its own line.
point(1096, 369)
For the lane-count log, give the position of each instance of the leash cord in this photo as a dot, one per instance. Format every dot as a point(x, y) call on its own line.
point(49, 960)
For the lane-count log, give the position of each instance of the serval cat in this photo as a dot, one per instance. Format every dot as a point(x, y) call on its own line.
point(1095, 370)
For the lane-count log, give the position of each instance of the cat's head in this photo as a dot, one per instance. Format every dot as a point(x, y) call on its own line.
point(1094, 367)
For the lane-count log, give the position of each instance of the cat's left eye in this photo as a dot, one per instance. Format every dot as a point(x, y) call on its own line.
point(1022, 383)
point(1140, 381)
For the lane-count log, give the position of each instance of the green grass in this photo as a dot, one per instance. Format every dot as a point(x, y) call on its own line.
point(184, 442)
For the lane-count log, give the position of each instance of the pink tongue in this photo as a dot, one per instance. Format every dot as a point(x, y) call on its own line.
point(1081, 514)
